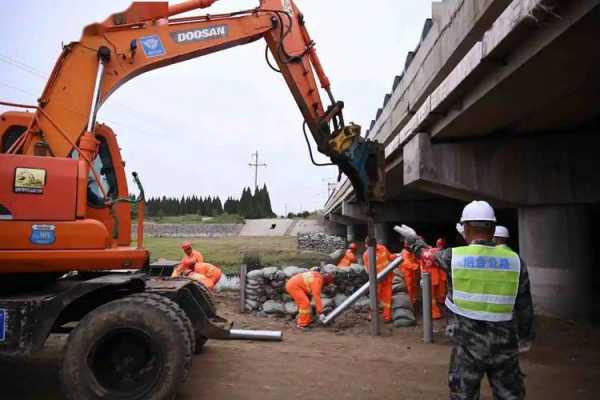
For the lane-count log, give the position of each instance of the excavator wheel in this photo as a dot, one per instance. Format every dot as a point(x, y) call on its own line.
point(180, 313)
point(134, 348)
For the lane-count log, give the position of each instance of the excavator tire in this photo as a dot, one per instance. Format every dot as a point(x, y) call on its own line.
point(180, 313)
point(134, 348)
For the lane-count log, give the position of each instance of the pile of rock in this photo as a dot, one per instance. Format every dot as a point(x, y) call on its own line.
point(266, 294)
point(189, 230)
point(321, 242)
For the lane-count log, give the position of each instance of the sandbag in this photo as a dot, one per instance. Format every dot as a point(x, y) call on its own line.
point(293, 270)
point(404, 323)
point(257, 273)
point(290, 308)
point(401, 300)
point(252, 304)
point(270, 272)
point(273, 307)
point(403, 313)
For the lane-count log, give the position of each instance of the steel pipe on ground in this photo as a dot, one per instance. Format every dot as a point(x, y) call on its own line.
point(243, 334)
point(363, 289)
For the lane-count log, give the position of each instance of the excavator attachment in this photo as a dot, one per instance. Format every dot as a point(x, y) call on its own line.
point(361, 160)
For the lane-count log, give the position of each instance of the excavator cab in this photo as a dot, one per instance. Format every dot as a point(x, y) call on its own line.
point(57, 218)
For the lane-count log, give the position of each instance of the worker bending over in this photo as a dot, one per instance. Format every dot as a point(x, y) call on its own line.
point(191, 256)
point(410, 272)
point(349, 257)
point(210, 272)
point(304, 286)
point(488, 287)
point(187, 269)
point(384, 288)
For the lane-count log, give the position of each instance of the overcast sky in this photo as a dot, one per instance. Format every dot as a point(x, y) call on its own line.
point(190, 128)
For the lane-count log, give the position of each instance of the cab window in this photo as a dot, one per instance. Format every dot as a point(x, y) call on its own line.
point(103, 167)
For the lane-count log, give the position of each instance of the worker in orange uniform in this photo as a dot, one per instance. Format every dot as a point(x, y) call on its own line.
point(210, 272)
point(191, 257)
point(384, 288)
point(303, 285)
point(349, 257)
point(187, 269)
point(410, 271)
point(436, 282)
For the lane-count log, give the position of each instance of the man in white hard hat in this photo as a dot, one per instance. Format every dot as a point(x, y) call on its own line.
point(501, 236)
point(489, 298)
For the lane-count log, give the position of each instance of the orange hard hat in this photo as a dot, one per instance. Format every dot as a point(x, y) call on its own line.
point(186, 245)
point(353, 246)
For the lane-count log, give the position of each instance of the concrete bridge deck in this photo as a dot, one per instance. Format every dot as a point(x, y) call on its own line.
point(499, 102)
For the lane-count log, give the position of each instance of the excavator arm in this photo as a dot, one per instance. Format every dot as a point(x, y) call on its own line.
point(147, 36)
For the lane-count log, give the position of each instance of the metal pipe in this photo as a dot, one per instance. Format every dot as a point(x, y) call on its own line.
point(243, 272)
point(427, 322)
point(372, 268)
point(95, 97)
point(243, 334)
point(190, 5)
point(103, 59)
point(363, 289)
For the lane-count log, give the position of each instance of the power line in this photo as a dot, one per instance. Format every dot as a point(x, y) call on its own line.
point(16, 63)
point(109, 121)
point(35, 72)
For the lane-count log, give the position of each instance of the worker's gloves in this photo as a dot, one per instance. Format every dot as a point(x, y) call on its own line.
point(406, 231)
point(322, 319)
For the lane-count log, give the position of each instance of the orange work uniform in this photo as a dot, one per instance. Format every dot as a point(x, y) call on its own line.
point(348, 259)
point(300, 287)
point(438, 287)
point(212, 274)
point(410, 271)
point(183, 268)
point(384, 289)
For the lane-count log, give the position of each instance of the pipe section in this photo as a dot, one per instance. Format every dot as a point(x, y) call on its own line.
point(427, 322)
point(363, 289)
point(243, 334)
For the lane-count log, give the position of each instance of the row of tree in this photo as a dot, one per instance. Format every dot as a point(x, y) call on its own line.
point(249, 205)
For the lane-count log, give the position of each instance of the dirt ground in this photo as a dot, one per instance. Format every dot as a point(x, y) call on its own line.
point(341, 362)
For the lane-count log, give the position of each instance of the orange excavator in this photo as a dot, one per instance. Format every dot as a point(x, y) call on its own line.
point(65, 209)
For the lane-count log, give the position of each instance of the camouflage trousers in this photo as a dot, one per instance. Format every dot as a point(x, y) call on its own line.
point(467, 368)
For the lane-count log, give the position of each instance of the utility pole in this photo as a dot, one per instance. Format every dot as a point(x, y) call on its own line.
point(256, 164)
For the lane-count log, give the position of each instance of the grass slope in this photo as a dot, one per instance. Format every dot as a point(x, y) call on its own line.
point(227, 252)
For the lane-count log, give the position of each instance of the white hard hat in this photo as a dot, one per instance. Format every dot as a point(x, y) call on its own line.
point(501, 232)
point(478, 211)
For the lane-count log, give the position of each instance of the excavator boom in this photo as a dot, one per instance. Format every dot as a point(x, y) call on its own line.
point(64, 132)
